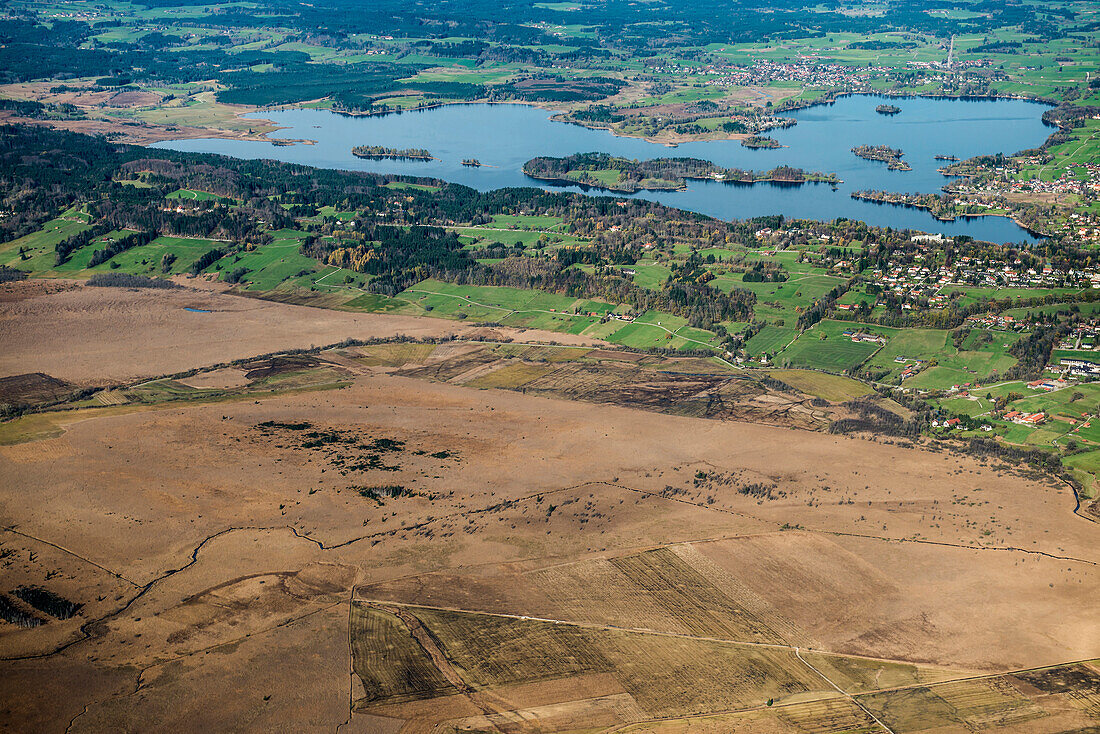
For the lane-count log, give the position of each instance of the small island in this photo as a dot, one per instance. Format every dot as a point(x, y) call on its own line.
point(375, 152)
point(890, 156)
point(887, 109)
point(603, 171)
point(472, 162)
point(946, 157)
point(760, 141)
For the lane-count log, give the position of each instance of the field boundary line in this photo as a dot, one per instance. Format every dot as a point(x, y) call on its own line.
point(840, 690)
point(964, 676)
point(74, 554)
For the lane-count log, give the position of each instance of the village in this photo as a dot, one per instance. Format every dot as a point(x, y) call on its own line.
point(930, 284)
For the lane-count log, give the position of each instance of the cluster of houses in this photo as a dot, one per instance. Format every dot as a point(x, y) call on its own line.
point(980, 272)
point(918, 281)
point(1047, 385)
point(994, 321)
point(912, 366)
point(763, 72)
point(1078, 178)
point(864, 336)
point(1078, 368)
point(1083, 337)
point(1026, 419)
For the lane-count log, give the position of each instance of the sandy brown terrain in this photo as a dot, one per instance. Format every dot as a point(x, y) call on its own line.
point(106, 335)
point(548, 565)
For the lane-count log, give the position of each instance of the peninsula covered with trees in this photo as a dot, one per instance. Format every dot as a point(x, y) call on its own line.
point(603, 171)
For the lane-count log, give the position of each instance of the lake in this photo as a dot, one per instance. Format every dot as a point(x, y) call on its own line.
point(504, 136)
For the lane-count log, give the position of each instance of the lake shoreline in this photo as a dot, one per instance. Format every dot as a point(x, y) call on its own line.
point(674, 140)
point(940, 218)
point(504, 136)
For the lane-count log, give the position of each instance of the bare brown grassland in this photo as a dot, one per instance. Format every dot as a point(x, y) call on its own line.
point(404, 551)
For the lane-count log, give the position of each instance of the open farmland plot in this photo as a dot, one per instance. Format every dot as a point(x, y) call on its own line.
point(781, 301)
point(393, 355)
point(982, 354)
point(830, 387)
point(650, 274)
point(689, 598)
point(655, 668)
point(834, 353)
point(271, 265)
point(147, 259)
point(511, 376)
point(38, 247)
point(492, 651)
point(487, 236)
point(975, 705)
point(389, 662)
point(193, 195)
point(770, 340)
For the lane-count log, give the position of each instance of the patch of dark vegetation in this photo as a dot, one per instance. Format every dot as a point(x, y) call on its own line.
point(7, 275)
point(293, 426)
point(778, 385)
point(125, 280)
point(382, 491)
point(47, 601)
point(715, 480)
point(345, 449)
point(871, 417)
point(11, 612)
point(1035, 457)
point(33, 388)
point(1068, 679)
point(386, 444)
point(314, 439)
point(258, 369)
point(760, 490)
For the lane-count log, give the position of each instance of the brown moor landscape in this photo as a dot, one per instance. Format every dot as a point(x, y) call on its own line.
point(463, 529)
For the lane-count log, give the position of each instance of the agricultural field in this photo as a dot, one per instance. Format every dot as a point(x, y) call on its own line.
point(982, 356)
point(825, 347)
point(531, 309)
point(828, 387)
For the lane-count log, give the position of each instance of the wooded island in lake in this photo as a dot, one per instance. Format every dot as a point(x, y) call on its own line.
point(887, 109)
point(603, 171)
point(760, 141)
point(890, 156)
point(377, 152)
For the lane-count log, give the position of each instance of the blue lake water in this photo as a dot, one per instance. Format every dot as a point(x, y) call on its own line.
point(503, 137)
